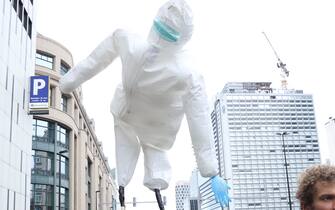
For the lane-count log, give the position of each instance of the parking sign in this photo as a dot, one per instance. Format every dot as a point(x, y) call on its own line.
point(39, 95)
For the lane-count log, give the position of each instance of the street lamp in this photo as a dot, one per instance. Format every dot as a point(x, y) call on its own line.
point(96, 199)
point(282, 134)
point(59, 176)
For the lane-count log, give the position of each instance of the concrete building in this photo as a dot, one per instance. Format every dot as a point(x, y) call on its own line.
point(330, 128)
point(67, 157)
point(17, 54)
point(189, 195)
point(264, 139)
point(182, 194)
point(194, 189)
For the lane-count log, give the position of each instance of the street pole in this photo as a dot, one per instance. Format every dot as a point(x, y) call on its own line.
point(286, 170)
point(59, 180)
point(60, 176)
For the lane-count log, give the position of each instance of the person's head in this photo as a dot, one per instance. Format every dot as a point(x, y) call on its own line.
point(173, 25)
point(316, 190)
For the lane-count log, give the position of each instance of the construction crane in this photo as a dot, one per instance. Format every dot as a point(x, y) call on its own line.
point(284, 72)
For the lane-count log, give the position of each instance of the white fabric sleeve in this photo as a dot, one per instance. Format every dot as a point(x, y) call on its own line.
point(98, 60)
point(200, 127)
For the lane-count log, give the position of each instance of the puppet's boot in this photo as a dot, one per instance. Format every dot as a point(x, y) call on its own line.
point(159, 199)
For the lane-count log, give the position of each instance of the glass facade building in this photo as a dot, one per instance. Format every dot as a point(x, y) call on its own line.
point(264, 139)
point(69, 170)
point(50, 172)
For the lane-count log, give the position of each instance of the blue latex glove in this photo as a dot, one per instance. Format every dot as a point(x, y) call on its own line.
point(220, 190)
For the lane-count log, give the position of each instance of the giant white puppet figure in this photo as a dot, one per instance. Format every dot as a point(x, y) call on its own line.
point(157, 89)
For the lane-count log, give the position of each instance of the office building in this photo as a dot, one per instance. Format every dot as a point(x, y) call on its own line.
point(182, 194)
point(194, 190)
point(70, 170)
point(264, 138)
point(17, 54)
point(330, 128)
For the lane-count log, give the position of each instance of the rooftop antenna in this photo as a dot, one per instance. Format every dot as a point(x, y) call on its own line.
point(284, 72)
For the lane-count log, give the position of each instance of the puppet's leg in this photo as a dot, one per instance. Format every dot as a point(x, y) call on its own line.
point(127, 150)
point(121, 196)
point(157, 171)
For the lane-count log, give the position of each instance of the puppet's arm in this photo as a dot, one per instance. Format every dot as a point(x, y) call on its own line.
point(98, 60)
point(198, 118)
point(201, 131)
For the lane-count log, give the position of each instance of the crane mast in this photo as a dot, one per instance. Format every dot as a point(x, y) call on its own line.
point(282, 66)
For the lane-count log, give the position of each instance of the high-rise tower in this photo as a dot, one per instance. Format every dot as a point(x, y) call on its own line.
point(264, 138)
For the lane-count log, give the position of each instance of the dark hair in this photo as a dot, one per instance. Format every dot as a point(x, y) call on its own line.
point(309, 178)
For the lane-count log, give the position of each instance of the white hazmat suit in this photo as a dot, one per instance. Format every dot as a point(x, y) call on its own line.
point(157, 89)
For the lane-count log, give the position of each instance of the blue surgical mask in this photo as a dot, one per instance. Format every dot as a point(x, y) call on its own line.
point(166, 32)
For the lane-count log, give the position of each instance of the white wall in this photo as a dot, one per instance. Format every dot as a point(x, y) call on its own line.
point(17, 55)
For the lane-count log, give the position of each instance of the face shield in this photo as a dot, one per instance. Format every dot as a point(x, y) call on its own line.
point(172, 26)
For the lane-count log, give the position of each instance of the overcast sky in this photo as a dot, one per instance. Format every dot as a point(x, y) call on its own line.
point(228, 46)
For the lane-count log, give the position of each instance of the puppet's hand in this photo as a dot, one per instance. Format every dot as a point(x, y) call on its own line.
point(220, 190)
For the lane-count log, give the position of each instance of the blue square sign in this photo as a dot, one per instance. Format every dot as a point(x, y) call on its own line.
point(39, 92)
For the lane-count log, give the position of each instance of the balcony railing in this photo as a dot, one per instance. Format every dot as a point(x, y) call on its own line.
point(50, 140)
point(43, 139)
point(41, 172)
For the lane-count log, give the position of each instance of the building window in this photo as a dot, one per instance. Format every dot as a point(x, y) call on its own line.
point(64, 167)
point(64, 68)
point(30, 25)
point(64, 198)
point(15, 5)
point(51, 96)
point(20, 10)
point(41, 196)
point(63, 136)
point(25, 19)
point(43, 131)
point(63, 102)
point(45, 60)
point(89, 189)
point(42, 163)
point(89, 177)
point(89, 168)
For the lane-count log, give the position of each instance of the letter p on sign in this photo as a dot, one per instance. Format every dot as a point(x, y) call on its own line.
point(38, 85)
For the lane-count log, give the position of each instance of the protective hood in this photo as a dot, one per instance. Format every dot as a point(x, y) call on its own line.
point(173, 26)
